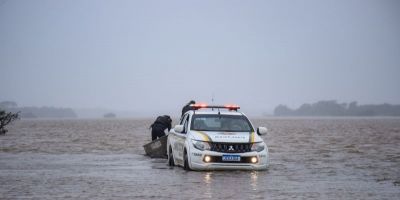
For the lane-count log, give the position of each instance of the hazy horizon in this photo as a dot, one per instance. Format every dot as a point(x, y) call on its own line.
point(152, 57)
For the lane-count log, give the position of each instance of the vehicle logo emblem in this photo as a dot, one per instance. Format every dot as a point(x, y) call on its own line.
point(231, 148)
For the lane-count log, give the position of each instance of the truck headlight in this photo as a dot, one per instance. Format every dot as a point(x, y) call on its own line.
point(200, 145)
point(258, 146)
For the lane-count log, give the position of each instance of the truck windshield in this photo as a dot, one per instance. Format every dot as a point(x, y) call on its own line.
point(228, 123)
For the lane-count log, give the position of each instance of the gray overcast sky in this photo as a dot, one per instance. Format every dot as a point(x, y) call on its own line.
point(157, 55)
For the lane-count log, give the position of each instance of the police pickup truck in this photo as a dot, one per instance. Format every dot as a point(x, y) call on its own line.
point(216, 137)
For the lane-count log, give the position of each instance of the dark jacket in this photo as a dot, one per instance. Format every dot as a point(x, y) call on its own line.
point(186, 108)
point(162, 123)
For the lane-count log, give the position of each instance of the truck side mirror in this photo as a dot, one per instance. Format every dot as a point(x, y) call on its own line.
point(178, 128)
point(262, 130)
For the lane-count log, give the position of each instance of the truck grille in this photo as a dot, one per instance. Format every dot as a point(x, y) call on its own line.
point(231, 147)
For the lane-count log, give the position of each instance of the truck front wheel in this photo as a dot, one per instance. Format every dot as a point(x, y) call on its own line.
point(171, 161)
point(186, 161)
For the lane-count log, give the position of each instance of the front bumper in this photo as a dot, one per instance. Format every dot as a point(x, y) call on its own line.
point(197, 161)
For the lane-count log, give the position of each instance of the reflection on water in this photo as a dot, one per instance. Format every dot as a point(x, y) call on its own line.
point(254, 178)
point(207, 181)
point(207, 178)
point(232, 184)
point(103, 159)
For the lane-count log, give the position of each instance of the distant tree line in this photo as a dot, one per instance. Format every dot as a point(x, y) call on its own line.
point(109, 115)
point(332, 108)
point(37, 112)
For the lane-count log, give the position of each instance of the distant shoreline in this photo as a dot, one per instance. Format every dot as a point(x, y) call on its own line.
point(333, 109)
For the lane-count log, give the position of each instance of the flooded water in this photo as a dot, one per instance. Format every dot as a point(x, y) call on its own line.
point(310, 158)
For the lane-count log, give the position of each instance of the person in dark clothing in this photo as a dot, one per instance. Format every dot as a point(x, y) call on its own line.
point(187, 107)
point(159, 126)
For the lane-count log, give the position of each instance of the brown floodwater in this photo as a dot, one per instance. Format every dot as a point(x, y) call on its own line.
point(310, 158)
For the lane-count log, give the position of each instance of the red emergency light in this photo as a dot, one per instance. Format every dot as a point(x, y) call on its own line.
point(226, 106)
point(199, 105)
point(232, 106)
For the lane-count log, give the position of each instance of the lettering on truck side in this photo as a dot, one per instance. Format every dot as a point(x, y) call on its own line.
point(197, 154)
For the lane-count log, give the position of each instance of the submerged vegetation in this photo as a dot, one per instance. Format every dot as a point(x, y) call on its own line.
point(332, 108)
point(5, 119)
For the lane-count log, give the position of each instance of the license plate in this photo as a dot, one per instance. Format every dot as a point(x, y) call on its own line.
point(228, 158)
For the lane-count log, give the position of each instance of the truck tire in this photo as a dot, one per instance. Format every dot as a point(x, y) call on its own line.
point(186, 161)
point(171, 161)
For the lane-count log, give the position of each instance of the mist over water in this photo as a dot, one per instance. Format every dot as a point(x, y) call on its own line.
point(151, 58)
point(329, 158)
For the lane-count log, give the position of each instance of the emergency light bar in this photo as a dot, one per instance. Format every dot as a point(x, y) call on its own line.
point(203, 105)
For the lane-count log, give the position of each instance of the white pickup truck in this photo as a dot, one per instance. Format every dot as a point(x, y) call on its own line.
point(216, 137)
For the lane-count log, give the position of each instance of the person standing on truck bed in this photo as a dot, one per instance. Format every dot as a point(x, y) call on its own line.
point(187, 107)
point(159, 126)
